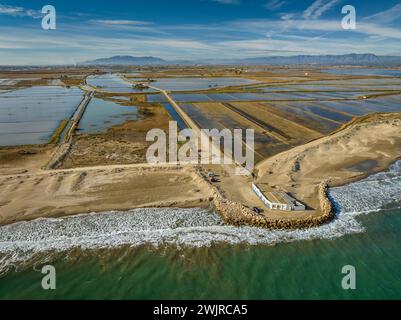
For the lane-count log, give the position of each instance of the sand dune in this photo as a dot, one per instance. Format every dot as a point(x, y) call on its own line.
point(366, 145)
point(64, 192)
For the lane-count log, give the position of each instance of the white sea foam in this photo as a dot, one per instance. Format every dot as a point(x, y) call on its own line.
point(181, 227)
point(20, 242)
point(371, 194)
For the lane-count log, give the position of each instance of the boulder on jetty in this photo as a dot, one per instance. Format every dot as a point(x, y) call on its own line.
point(236, 214)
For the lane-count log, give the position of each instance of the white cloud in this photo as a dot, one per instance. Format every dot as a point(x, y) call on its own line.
point(274, 4)
point(19, 12)
point(294, 26)
point(12, 11)
point(287, 16)
point(289, 35)
point(122, 22)
point(227, 1)
point(386, 16)
point(308, 13)
point(126, 25)
point(318, 8)
point(319, 12)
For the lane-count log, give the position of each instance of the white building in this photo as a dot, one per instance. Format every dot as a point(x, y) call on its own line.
point(278, 200)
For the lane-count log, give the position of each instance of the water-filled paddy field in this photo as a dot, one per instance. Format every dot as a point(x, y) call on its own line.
point(113, 83)
point(323, 112)
point(271, 96)
point(218, 116)
point(30, 116)
point(190, 84)
point(156, 98)
point(366, 72)
point(102, 114)
point(175, 116)
point(233, 97)
point(346, 86)
point(281, 124)
point(292, 112)
point(296, 113)
point(294, 132)
point(358, 82)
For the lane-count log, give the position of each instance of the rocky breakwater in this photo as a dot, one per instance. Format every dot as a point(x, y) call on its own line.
point(237, 214)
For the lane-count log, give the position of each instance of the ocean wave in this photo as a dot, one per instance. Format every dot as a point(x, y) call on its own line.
point(21, 242)
point(377, 192)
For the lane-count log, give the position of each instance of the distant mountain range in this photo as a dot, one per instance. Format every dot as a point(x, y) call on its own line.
point(127, 60)
point(347, 59)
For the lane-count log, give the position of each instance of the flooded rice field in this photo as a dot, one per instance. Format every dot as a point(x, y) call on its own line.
point(278, 88)
point(362, 107)
point(323, 112)
point(295, 133)
point(233, 97)
point(392, 103)
point(113, 83)
point(30, 116)
point(191, 97)
point(366, 72)
point(101, 115)
point(294, 117)
point(220, 97)
point(291, 111)
point(175, 116)
point(219, 116)
point(201, 118)
point(346, 85)
point(299, 112)
point(190, 84)
point(351, 107)
point(271, 96)
point(156, 98)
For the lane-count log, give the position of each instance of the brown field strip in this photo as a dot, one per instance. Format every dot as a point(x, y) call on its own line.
point(295, 133)
point(266, 144)
point(277, 133)
point(306, 119)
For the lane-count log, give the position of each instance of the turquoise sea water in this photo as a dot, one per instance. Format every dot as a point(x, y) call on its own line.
point(191, 254)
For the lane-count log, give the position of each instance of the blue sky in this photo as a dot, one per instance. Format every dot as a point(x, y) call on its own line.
point(194, 29)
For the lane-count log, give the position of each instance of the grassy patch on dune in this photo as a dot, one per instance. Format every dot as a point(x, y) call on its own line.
point(57, 133)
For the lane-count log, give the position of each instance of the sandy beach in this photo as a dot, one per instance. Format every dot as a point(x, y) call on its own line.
point(57, 193)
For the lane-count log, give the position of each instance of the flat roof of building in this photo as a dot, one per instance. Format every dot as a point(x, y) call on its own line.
point(279, 197)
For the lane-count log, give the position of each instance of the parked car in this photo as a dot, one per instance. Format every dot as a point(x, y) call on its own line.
point(256, 210)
